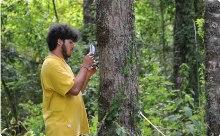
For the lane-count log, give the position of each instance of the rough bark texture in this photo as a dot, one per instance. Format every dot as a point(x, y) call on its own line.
point(185, 47)
point(118, 72)
point(212, 45)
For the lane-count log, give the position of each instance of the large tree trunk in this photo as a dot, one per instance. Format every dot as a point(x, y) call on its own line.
point(185, 47)
point(118, 72)
point(212, 45)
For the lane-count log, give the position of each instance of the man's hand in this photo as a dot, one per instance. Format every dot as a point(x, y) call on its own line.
point(91, 71)
point(86, 71)
point(88, 61)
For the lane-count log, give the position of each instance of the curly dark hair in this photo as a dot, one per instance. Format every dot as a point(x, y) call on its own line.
point(61, 31)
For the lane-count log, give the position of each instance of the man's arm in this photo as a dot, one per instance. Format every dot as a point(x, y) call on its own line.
point(89, 74)
point(81, 80)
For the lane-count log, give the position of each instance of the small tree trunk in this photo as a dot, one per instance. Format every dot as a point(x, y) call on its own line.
point(185, 46)
point(89, 21)
point(183, 36)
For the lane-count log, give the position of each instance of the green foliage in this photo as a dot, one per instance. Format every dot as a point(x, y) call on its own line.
point(121, 131)
point(172, 111)
point(94, 124)
point(115, 107)
point(91, 100)
point(34, 119)
point(88, 33)
point(184, 73)
point(200, 25)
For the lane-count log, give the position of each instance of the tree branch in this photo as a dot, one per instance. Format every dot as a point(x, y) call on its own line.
point(55, 11)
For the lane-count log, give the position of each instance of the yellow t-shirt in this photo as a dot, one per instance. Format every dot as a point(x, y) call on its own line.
point(64, 115)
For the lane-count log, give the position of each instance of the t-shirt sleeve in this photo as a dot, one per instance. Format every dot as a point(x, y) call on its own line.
point(61, 80)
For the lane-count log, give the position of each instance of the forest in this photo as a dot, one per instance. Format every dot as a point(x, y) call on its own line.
point(158, 73)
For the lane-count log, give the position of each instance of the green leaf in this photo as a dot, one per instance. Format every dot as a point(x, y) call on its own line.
point(187, 111)
point(172, 118)
point(190, 128)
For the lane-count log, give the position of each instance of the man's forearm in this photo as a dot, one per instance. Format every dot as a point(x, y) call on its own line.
point(86, 82)
point(79, 82)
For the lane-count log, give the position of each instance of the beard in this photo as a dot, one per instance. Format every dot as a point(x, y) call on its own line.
point(64, 52)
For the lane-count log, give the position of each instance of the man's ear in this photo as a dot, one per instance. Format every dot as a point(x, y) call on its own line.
point(59, 42)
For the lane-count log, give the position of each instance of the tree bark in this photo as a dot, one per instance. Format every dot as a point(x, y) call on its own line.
point(118, 71)
point(212, 60)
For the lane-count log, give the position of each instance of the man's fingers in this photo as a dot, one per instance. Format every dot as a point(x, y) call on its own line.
point(92, 68)
point(91, 56)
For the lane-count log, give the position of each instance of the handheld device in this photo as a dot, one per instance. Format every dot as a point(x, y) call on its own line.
point(94, 53)
point(92, 49)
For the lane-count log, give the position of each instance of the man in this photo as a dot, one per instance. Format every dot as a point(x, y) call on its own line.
point(63, 107)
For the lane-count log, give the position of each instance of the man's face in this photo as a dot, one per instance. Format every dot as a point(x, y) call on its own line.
point(67, 48)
